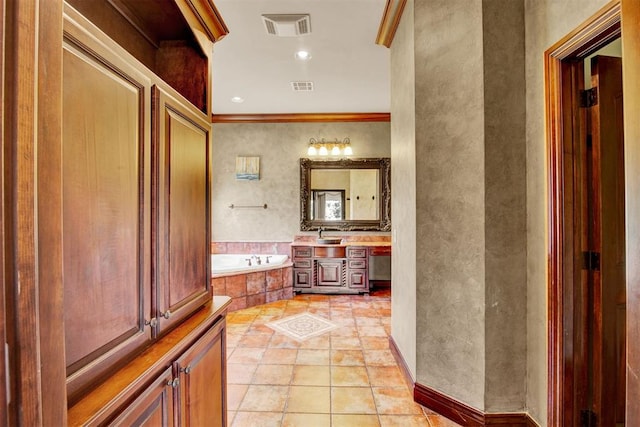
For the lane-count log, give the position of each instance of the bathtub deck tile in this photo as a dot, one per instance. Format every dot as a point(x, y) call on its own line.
point(236, 286)
point(258, 299)
point(218, 286)
point(274, 279)
point(256, 283)
point(238, 303)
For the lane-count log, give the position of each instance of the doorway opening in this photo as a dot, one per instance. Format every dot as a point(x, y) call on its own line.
point(587, 288)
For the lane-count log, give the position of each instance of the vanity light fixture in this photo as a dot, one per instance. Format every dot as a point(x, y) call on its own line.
point(323, 148)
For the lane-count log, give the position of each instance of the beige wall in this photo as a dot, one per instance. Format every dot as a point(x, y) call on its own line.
point(443, 113)
point(505, 205)
point(279, 146)
point(403, 183)
point(450, 238)
point(464, 110)
point(546, 22)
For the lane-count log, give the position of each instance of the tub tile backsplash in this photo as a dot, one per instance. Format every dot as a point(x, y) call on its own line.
point(251, 248)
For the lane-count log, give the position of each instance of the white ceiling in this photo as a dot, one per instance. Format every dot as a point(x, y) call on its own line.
point(349, 71)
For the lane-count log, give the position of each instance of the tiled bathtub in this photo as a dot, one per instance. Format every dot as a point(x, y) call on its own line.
point(255, 288)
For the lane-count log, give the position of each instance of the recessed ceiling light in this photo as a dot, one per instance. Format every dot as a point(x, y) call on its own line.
point(303, 55)
point(237, 99)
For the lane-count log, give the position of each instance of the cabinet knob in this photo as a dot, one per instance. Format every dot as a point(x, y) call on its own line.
point(186, 370)
point(153, 322)
point(173, 383)
point(166, 314)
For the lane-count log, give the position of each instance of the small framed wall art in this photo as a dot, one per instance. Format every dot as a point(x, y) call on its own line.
point(247, 168)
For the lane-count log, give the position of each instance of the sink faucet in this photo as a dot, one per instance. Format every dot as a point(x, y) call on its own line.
point(320, 230)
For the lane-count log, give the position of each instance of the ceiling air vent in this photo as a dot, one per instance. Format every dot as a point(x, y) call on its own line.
point(302, 86)
point(286, 25)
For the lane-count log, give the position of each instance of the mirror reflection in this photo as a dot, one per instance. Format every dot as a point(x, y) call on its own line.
point(339, 194)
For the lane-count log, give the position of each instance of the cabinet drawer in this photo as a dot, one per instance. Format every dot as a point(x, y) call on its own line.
point(357, 263)
point(356, 252)
point(302, 263)
point(380, 250)
point(154, 406)
point(301, 252)
point(329, 252)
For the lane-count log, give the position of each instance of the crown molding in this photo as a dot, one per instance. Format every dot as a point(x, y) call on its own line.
point(301, 118)
point(390, 21)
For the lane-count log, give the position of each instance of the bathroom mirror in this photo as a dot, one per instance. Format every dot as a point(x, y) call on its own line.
point(345, 195)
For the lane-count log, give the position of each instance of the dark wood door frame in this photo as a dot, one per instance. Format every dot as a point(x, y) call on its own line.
point(562, 80)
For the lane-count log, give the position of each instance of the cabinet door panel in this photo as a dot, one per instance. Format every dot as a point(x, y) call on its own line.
point(106, 215)
point(153, 408)
point(302, 278)
point(203, 380)
point(183, 264)
point(358, 279)
point(331, 272)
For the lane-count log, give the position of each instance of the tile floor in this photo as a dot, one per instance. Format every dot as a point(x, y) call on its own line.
point(345, 377)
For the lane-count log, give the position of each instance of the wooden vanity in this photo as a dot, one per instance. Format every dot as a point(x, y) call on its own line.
point(334, 269)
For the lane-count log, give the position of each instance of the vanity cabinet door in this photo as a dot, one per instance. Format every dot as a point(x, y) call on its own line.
point(302, 278)
point(331, 272)
point(154, 407)
point(106, 208)
point(202, 375)
point(181, 165)
point(358, 279)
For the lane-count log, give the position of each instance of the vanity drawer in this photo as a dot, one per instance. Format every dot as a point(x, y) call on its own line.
point(357, 263)
point(329, 252)
point(302, 263)
point(380, 251)
point(302, 252)
point(356, 252)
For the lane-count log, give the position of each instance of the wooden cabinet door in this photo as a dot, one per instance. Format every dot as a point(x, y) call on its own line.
point(106, 206)
point(154, 407)
point(302, 278)
point(331, 272)
point(358, 279)
point(202, 375)
point(181, 197)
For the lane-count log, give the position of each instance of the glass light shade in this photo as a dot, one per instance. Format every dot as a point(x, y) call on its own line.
point(348, 151)
point(335, 151)
point(312, 151)
point(323, 151)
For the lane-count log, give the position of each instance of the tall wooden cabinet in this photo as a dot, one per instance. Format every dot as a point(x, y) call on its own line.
point(106, 206)
point(105, 198)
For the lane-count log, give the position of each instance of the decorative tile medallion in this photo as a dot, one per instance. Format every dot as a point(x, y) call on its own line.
point(302, 326)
